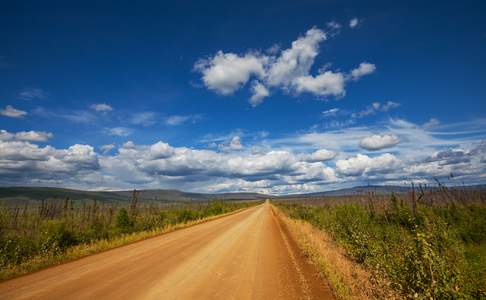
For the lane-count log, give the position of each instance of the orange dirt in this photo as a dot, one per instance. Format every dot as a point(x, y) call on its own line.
point(247, 255)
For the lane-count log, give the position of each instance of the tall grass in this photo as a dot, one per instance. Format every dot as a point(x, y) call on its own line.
point(429, 245)
point(51, 229)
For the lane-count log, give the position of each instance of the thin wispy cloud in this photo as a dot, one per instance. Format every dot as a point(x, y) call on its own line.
point(146, 118)
point(176, 120)
point(119, 131)
point(32, 94)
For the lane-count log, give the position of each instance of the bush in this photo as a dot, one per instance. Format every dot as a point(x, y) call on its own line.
point(123, 221)
point(56, 238)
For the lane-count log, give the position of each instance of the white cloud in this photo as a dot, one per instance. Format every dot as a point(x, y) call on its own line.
point(6, 136)
point(101, 107)
point(378, 142)
point(259, 92)
point(233, 144)
point(433, 122)
point(227, 72)
point(359, 164)
point(23, 162)
point(76, 116)
point(31, 136)
point(107, 148)
point(181, 119)
point(119, 131)
point(385, 106)
point(363, 69)
point(146, 118)
point(32, 93)
point(320, 155)
point(288, 70)
point(161, 150)
point(353, 22)
point(325, 84)
point(11, 112)
point(297, 60)
point(303, 162)
point(374, 108)
point(330, 112)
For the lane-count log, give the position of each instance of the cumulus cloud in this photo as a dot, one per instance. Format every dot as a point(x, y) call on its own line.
point(363, 69)
point(259, 91)
point(11, 112)
point(288, 70)
point(227, 72)
point(297, 60)
point(353, 22)
point(360, 164)
point(304, 162)
point(32, 136)
point(378, 142)
point(32, 93)
point(24, 162)
point(320, 155)
point(101, 107)
point(325, 84)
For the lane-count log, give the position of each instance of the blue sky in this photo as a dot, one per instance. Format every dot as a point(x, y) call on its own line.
point(277, 97)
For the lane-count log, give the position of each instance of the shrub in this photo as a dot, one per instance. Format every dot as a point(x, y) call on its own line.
point(123, 221)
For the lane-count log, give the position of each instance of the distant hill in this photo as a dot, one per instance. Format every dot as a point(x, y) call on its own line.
point(33, 194)
point(379, 189)
point(20, 195)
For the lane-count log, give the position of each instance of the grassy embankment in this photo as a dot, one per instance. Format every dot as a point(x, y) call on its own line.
point(33, 237)
point(430, 246)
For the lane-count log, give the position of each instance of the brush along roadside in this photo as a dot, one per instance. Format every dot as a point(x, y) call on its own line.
point(347, 279)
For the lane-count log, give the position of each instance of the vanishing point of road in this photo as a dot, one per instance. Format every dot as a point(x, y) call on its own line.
point(246, 255)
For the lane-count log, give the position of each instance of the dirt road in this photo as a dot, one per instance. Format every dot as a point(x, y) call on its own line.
point(247, 255)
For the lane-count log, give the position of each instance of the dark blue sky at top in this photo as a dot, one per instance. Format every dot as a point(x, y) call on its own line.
point(430, 57)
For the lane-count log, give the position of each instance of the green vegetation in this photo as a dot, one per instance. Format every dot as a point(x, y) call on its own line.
point(427, 248)
point(35, 236)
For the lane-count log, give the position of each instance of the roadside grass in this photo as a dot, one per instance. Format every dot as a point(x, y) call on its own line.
point(33, 238)
point(419, 248)
point(347, 279)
